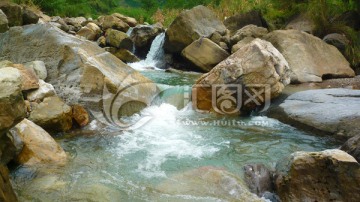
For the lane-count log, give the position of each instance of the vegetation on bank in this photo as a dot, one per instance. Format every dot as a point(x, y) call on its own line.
point(276, 12)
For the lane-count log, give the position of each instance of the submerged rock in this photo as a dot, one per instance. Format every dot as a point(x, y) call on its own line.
point(310, 59)
point(39, 146)
point(257, 65)
point(189, 26)
point(330, 175)
point(204, 54)
point(258, 178)
point(326, 111)
point(208, 182)
point(352, 147)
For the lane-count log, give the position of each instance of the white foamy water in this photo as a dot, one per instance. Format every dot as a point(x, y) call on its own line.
point(154, 57)
point(163, 139)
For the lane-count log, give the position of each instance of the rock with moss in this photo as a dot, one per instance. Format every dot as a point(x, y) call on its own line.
point(204, 54)
point(29, 16)
point(4, 23)
point(13, 13)
point(118, 39)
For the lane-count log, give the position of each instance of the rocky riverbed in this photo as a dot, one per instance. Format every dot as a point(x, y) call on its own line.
point(109, 109)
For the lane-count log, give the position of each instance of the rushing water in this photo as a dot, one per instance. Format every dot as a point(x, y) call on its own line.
point(108, 165)
point(140, 165)
point(155, 56)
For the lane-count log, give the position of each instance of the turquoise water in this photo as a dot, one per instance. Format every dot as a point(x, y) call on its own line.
point(111, 165)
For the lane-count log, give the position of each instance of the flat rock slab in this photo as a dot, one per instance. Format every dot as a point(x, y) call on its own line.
point(323, 111)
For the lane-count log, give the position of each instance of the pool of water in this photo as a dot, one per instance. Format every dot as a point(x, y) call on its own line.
point(111, 165)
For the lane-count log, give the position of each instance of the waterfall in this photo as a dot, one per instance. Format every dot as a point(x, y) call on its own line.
point(155, 57)
point(129, 34)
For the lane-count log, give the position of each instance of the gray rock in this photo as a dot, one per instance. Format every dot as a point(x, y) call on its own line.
point(352, 147)
point(38, 67)
point(302, 23)
point(338, 40)
point(4, 23)
point(189, 26)
point(310, 59)
point(29, 16)
point(38, 95)
point(236, 22)
point(143, 36)
point(258, 178)
point(326, 111)
point(248, 31)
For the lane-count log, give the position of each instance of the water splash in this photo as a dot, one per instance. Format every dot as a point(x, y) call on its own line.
point(155, 57)
point(129, 32)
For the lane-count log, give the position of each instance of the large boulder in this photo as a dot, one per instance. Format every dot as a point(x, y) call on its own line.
point(143, 36)
point(12, 106)
point(301, 22)
point(257, 67)
point(330, 175)
point(236, 22)
point(310, 59)
point(352, 147)
point(189, 26)
point(208, 182)
point(39, 146)
point(52, 114)
point(132, 22)
point(110, 21)
point(326, 111)
point(204, 54)
point(4, 23)
point(29, 16)
point(118, 39)
point(13, 13)
point(7, 193)
point(91, 32)
point(79, 70)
